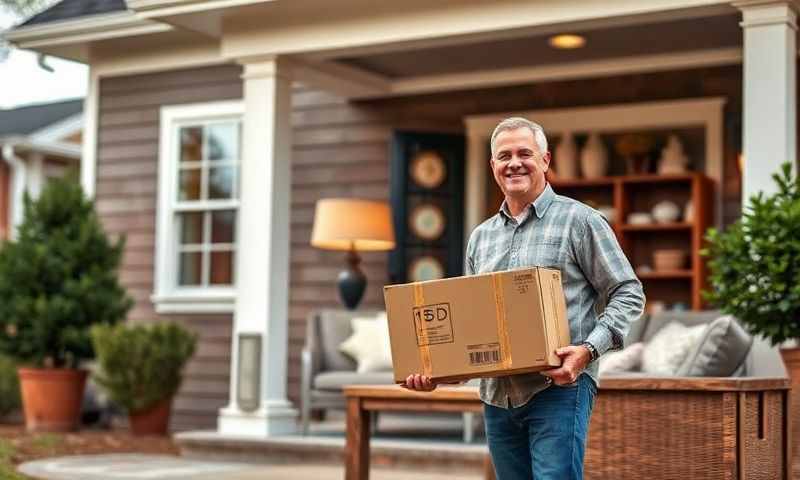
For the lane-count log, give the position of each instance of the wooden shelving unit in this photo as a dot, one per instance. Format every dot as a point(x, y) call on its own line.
point(639, 193)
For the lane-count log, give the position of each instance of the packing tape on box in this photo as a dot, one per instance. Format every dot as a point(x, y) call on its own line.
point(500, 314)
point(424, 348)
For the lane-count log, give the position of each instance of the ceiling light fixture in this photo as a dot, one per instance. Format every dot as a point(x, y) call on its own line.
point(567, 41)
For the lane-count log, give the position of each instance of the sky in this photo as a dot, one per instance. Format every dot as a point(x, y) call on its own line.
point(23, 82)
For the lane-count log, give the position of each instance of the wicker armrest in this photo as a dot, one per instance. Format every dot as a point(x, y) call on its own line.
point(741, 384)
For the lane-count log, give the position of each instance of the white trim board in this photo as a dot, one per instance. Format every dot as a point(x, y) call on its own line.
point(84, 29)
point(58, 131)
point(701, 112)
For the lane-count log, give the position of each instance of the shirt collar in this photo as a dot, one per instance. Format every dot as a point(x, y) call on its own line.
point(540, 205)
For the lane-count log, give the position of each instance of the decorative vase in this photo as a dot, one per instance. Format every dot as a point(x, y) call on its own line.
point(688, 212)
point(673, 161)
point(151, 421)
point(51, 398)
point(566, 158)
point(666, 212)
point(668, 259)
point(594, 158)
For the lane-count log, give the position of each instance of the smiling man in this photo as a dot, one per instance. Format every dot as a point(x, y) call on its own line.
point(537, 423)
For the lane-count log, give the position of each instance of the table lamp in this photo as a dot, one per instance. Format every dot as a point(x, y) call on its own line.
point(352, 225)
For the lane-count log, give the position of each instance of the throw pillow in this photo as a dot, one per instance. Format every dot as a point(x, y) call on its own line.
point(720, 351)
point(628, 359)
point(369, 344)
point(669, 347)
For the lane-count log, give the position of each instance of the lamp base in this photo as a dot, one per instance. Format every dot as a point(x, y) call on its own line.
point(352, 282)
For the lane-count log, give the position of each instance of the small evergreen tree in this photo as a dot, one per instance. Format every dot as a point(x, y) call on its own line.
point(57, 279)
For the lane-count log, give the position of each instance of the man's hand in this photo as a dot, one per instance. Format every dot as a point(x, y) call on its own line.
point(418, 382)
point(574, 359)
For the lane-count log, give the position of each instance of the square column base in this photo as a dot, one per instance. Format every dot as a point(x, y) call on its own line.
point(273, 418)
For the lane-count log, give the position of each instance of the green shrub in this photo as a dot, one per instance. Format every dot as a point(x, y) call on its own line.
point(755, 263)
point(141, 365)
point(57, 279)
point(9, 386)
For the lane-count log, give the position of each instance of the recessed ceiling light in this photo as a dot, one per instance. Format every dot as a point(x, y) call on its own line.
point(566, 41)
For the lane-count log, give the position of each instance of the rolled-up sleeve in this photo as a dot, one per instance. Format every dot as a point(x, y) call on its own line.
point(610, 273)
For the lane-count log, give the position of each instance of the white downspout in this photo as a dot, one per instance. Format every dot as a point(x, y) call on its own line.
point(18, 187)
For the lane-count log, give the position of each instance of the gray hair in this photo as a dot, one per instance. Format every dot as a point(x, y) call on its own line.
point(513, 123)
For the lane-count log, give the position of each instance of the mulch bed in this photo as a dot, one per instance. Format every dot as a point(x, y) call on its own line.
point(18, 446)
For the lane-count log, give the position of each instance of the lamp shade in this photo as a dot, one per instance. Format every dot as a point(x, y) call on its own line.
point(345, 224)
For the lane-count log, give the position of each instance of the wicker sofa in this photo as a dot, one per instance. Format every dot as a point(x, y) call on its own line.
point(692, 427)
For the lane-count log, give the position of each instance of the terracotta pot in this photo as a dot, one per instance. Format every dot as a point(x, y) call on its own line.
point(791, 359)
point(153, 421)
point(51, 398)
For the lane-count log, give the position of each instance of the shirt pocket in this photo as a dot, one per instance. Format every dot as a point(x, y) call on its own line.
point(546, 252)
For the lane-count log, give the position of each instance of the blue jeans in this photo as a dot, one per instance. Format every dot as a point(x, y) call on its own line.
point(544, 439)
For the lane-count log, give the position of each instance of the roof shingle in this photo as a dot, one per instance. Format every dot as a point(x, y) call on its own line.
point(28, 119)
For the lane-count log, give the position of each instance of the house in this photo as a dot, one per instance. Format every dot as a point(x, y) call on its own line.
point(37, 142)
point(212, 127)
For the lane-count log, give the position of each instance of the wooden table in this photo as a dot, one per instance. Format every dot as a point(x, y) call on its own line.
point(363, 399)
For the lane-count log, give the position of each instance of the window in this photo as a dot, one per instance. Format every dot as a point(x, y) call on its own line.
point(199, 163)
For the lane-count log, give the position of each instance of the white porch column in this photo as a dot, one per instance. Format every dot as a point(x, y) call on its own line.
point(262, 262)
point(475, 188)
point(770, 103)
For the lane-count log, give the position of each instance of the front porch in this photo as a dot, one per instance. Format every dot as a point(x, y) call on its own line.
point(322, 95)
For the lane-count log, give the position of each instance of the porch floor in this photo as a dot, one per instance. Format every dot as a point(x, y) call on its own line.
point(426, 442)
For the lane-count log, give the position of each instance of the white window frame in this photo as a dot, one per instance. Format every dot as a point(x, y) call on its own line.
point(168, 297)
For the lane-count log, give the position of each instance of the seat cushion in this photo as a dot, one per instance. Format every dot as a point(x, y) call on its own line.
point(336, 380)
point(369, 344)
point(720, 351)
point(627, 360)
point(691, 318)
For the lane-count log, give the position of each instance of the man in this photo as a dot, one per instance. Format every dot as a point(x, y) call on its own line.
point(537, 423)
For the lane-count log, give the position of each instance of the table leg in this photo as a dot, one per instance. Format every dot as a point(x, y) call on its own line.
point(357, 446)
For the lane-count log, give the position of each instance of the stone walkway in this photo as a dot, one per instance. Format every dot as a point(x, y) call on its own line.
point(152, 467)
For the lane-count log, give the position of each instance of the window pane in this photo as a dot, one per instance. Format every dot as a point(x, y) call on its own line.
point(220, 182)
point(223, 226)
point(221, 268)
point(223, 141)
point(189, 184)
point(191, 268)
point(191, 225)
point(191, 144)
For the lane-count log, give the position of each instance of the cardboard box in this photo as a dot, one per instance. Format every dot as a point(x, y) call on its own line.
point(486, 325)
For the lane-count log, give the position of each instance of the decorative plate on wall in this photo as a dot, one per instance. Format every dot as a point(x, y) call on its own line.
point(426, 268)
point(428, 169)
point(427, 221)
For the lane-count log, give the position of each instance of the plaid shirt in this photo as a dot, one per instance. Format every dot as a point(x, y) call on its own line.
point(562, 233)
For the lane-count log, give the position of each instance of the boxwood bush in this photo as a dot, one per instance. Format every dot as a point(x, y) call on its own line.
point(9, 386)
point(140, 365)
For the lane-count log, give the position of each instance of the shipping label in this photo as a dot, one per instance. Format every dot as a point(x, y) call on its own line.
point(433, 324)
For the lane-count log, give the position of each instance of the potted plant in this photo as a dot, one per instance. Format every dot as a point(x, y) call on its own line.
point(140, 367)
point(755, 271)
point(57, 279)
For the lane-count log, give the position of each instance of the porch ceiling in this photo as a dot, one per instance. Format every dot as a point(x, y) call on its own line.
point(696, 34)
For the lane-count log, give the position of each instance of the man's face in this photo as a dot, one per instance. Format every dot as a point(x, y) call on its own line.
point(518, 165)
